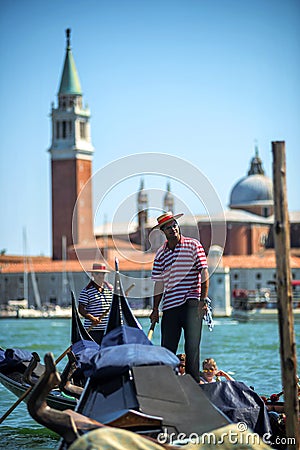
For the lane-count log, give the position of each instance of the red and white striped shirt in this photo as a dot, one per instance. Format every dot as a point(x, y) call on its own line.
point(180, 271)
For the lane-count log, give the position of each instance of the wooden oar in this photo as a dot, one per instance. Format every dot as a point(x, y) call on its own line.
point(20, 399)
point(88, 330)
point(27, 392)
point(151, 330)
point(100, 317)
point(129, 289)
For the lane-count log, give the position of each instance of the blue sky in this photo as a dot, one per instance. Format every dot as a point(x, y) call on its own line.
point(200, 80)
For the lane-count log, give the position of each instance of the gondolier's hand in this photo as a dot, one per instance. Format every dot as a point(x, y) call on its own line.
point(154, 316)
point(203, 307)
point(95, 320)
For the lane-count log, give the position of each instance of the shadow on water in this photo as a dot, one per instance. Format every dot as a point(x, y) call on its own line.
point(27, 438)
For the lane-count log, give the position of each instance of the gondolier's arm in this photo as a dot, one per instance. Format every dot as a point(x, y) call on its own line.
point(204, 283)
point(158, 293)
point(88, 316)
point(204, 290)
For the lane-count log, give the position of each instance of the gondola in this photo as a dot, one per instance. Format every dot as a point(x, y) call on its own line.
point(21, 369)
point(135, 387)
point(132, 385)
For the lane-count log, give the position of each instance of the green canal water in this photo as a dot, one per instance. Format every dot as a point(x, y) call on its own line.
point(248, 351)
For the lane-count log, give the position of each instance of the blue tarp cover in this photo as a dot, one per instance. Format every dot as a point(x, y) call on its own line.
point(11, 357)
point(125, 335)
point(116, 359)
point(18, 355)
point(122, 348)
point(84, 350)
point(83, 345)
point(240, 404)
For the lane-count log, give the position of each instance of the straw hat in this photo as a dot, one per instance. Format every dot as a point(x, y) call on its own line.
point(98, 268)
point(166, 218)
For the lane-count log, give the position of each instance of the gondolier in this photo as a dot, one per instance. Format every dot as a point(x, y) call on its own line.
point(95, 301)
point(181, 282)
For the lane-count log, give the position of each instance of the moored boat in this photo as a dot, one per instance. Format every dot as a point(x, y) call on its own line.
point(14, 382)
point(261, 305)
point(21, 369)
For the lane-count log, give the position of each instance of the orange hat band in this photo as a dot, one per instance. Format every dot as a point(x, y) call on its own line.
point(165, 219)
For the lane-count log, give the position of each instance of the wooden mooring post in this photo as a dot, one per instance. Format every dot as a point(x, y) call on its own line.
point(284, 293)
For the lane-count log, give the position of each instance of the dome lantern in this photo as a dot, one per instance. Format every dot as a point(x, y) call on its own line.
point(254, 192)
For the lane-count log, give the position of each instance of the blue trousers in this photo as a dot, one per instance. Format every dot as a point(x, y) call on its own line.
point(184, 317)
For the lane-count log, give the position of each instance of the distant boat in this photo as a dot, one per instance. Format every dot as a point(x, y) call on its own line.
point(261, 305)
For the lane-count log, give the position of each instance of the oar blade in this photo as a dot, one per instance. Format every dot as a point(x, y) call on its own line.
point(151, 331)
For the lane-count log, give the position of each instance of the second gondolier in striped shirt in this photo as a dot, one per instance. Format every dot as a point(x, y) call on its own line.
point(95, 301)
point(181, 282)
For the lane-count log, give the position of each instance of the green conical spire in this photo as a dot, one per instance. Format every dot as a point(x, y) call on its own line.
point(70, 83)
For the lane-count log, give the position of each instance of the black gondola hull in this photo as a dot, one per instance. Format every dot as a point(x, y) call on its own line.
point(55, 400)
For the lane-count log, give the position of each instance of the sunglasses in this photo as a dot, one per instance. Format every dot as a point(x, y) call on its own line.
point(169, 227)
point(209, 370)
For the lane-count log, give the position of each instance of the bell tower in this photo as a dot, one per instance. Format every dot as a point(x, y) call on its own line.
point(142, 204)
point(71, 153)
point(168, 199)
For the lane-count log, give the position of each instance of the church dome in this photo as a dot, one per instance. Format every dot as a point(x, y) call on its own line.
point(253, 192)
point(252, 189)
